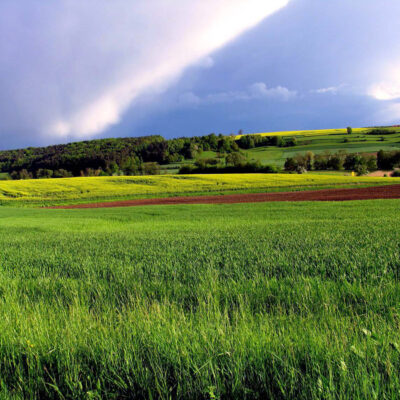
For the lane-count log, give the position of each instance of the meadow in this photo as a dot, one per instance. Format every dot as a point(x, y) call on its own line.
point(242, 301)
point(45, 192)
point(330, 140)
point(317, 141)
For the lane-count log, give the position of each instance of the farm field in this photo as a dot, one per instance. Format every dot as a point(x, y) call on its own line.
point(326, 140)
point(46, 192)
point(268, 300)
point(315, 132)
point(317, 141)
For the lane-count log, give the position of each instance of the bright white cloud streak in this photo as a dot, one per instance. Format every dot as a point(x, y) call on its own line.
point(385, 90)
point(389, 87)
point(388, 91)
point(72, 67)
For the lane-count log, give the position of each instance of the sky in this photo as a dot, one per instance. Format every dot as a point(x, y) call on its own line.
point(73, 70)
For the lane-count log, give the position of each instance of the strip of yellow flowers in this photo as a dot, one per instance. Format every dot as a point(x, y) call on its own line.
point(78, 189)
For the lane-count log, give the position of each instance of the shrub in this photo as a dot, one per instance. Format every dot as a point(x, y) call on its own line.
point(235, 159)
point(361, 170)
point(61, 173)
point(249, 167)
point(388, 160)
point(291, 142)
point(23, 174)
point(187, 169)
point(279, 141)
point(336, 162)
point(381, 131)
point(246, 142)
point(290, 164)
point(150, 168)
point(206, 162)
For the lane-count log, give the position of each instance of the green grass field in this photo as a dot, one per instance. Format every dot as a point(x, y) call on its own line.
point(326, 140)
point(42, 192)
point(242, 301)
point(317, 141)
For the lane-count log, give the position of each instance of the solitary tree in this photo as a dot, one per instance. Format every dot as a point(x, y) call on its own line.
point(349, 130)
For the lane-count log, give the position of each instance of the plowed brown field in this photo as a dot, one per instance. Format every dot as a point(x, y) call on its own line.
point(376, 192)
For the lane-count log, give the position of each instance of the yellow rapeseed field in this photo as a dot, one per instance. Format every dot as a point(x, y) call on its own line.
point(320, 132)
point(79, 190)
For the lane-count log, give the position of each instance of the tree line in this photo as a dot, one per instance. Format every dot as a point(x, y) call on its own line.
point(123, 156)
point(147, 155)
point(341, 160)
point(234, 162)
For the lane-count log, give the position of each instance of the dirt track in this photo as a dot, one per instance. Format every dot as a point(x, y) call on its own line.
point(376, 192)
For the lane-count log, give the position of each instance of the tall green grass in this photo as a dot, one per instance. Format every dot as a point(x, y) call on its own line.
point(256, 301)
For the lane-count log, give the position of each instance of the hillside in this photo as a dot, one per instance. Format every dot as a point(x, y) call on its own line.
point(153, 154)
point(333, 140)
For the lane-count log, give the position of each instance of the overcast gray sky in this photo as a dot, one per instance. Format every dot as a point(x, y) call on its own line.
point(76, 69)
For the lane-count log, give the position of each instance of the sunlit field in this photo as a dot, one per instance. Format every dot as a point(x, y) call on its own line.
point(79, 190)
point(323, 141)
point(256, 301)
point(325, 132)
point(317, 132)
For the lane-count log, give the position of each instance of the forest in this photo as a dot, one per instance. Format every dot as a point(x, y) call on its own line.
point(150, 155)
point(127, 156)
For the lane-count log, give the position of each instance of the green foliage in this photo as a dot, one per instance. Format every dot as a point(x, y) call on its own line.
point(300, 163)
point(235, 159)
point(274, 300)
point(382, 131)
point(290, 164)
point(22, 174)
point(387, 160)
point(44, 173)
point(361, 169)
point(291, 142)
point(362, 164)
point(320, 142)
point(207, 162)
point(252, 141)
point(230, 168)
point(74, 158)
point(120, 156)
point(128, 154)
point(246, 142)
point(349, 130)
point(277, 141)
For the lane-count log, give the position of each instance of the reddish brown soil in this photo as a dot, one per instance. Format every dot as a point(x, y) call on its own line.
point(376, 192)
